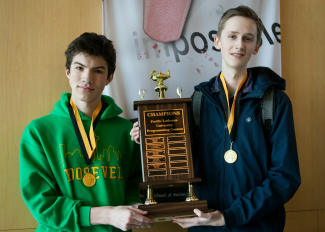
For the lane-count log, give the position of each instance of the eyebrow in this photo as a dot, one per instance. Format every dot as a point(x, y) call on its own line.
point(99, 67)
point(236, 32)
point(233, 32)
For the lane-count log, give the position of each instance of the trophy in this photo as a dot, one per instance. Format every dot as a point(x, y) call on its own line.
point(166, 154)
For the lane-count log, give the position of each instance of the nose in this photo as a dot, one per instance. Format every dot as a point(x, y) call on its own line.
point(87, 77)
point(239, 43)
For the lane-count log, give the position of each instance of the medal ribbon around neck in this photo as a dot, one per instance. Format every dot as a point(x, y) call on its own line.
point(231, 114)
point(87, 147)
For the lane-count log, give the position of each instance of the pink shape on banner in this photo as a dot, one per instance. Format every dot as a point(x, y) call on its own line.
point(154, 46)
point(211, 59)
point(198, 70)
point(163, 21)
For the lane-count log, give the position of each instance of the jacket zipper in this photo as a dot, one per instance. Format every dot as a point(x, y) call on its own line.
point(224, 170)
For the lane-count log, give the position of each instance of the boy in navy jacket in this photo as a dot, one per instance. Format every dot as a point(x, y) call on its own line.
point(247, 177)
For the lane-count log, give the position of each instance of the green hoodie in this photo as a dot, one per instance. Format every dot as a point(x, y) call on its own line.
point(52, 167)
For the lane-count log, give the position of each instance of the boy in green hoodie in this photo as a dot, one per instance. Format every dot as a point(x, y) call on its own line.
point(79, 171)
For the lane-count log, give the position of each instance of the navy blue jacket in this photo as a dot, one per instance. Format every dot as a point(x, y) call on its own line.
point(251, 192)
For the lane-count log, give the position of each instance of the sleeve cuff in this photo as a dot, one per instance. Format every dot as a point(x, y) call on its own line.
point(232, 216)
point(84, 214)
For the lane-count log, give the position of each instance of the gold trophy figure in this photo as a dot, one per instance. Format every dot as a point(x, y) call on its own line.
point(160, 88)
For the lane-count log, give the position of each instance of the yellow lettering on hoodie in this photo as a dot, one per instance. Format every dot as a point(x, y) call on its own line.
point(104, 169)
point(111, 172)
point(119, 173)
point(70, 174)
point(94, 171)
point(78, 173)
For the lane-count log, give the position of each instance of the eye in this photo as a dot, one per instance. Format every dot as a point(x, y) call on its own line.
point(249, 39)
point(79, 68)
point(98, 71)
point(232, 36)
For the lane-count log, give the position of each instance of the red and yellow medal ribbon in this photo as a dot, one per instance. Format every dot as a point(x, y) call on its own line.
point(90, 147)
point(231, 112)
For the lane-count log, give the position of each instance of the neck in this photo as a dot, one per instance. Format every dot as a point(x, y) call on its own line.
point(233, 78)
point(85, 107)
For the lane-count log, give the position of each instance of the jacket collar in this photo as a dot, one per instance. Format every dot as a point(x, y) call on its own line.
point(247, 87)
point(261, 78)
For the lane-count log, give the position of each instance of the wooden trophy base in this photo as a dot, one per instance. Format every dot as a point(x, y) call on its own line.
point(169, 183)
point(166, 211)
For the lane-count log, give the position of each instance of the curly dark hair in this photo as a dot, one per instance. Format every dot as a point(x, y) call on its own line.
point(93, 45)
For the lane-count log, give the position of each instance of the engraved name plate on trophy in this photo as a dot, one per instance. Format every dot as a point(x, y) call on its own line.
point(166, 152)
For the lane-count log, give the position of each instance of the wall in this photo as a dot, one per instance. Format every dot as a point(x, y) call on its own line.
point(34, 35)
point(303, 32)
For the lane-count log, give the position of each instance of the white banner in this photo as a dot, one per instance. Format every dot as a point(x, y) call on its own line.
point(191, 59)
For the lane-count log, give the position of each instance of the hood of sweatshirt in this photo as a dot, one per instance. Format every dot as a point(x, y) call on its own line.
point(61, 108)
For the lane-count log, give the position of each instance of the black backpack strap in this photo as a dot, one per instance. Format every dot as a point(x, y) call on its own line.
point(268, 110)
point(196, 106)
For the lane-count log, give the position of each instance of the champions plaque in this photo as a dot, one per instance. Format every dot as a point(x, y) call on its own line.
point(166, 153)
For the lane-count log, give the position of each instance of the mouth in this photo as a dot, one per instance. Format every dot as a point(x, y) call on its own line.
point(237, 55)
point(86, 89)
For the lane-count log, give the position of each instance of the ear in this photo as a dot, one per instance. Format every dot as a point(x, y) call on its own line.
point(256, 49)
point(67, 73)
point(110, 79)
point(217, 42)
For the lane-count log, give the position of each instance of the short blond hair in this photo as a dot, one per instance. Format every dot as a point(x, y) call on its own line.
point(243, 11)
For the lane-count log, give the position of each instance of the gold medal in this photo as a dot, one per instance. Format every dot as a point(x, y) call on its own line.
point(89, 180)
point(230, 156)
